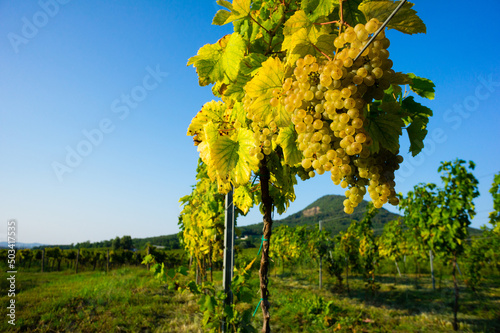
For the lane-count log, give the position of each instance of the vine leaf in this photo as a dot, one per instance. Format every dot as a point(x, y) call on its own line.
point(406, 19)
point(314, 9)
point(422, 86)
point(212, 111)
point(352, 13)
point(231, 157)
point(251, 63)
point(417, 132)
point(287, 139)
point(314, 41)
point(237, 10)
point(243, 199)
point(216, 62)
point(297, 21)
point(269, 77)
point(385, 129)
point(418, 118)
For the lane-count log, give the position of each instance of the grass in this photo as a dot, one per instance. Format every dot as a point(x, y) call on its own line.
point(130, 300)
point(126, 300)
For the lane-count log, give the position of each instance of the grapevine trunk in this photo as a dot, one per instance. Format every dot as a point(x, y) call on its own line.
point(267, 204)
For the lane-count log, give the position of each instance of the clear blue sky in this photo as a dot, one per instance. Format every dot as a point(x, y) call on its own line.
point(116, 71)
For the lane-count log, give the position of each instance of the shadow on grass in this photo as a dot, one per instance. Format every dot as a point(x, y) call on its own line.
point(415, 299)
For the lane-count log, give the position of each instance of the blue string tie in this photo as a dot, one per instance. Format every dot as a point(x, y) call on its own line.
point(260, 248)
point(262, 299)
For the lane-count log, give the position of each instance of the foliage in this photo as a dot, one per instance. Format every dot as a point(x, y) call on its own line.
point(474, 262)
point(287, 244)
point(440, 217)
point(419, 206)
point(455, 206)
point(212, 300)
point(284, 67)
point(368, 247)
point(495, 214)
point(392, 243)
point(202, 220)
point(336, 263)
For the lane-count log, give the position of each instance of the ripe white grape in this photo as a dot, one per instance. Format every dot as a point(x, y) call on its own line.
point(327, 100)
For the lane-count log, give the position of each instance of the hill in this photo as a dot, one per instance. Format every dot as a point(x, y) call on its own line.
point(330, 210)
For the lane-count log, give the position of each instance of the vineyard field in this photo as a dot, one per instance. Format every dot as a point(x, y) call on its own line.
point(128, 299)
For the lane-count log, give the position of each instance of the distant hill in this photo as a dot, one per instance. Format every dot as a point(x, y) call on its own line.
point(330, 210)
point(19, 245)
point(168, 242)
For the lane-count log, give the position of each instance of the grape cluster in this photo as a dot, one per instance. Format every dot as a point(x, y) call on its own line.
point(265, 135)
point(327, 101)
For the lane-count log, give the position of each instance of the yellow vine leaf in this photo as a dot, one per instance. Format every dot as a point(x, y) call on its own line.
point(269, 77)
point(216, 62)
point(237, 10)
point(314, 40)
point(230, 156)
point(212, 111)
point(243, 199)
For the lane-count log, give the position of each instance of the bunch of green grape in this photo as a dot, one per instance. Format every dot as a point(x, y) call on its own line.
point(327, 101)
point(265, 135)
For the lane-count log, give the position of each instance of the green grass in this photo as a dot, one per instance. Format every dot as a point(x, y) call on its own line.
point(130, 300)
point(126, 300)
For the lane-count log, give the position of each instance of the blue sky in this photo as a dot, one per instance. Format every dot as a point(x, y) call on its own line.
point(109, 79)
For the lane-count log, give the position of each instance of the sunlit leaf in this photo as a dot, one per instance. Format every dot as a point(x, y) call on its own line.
point(406, 19)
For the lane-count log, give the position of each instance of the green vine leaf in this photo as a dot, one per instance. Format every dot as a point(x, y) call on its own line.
point(287, 139)
point(418, 118)
point(422, 86)
point(385, 129)
point(315, 9)
point(352, 13)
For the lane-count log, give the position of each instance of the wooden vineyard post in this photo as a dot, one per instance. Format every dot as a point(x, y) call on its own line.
point(431, 257)
point(147, 253)
point(227, 276)
point(77, 257)
point(320, 261)
point(43, 258)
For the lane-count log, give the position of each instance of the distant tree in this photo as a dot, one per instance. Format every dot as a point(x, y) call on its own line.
point(26, 255)
point(126, 243)
point(116, 244)
point(495, 214)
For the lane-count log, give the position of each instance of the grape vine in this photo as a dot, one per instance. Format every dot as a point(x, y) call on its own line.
point(293, 102)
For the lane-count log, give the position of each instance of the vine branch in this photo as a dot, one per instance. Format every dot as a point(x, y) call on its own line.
point(260, 25)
